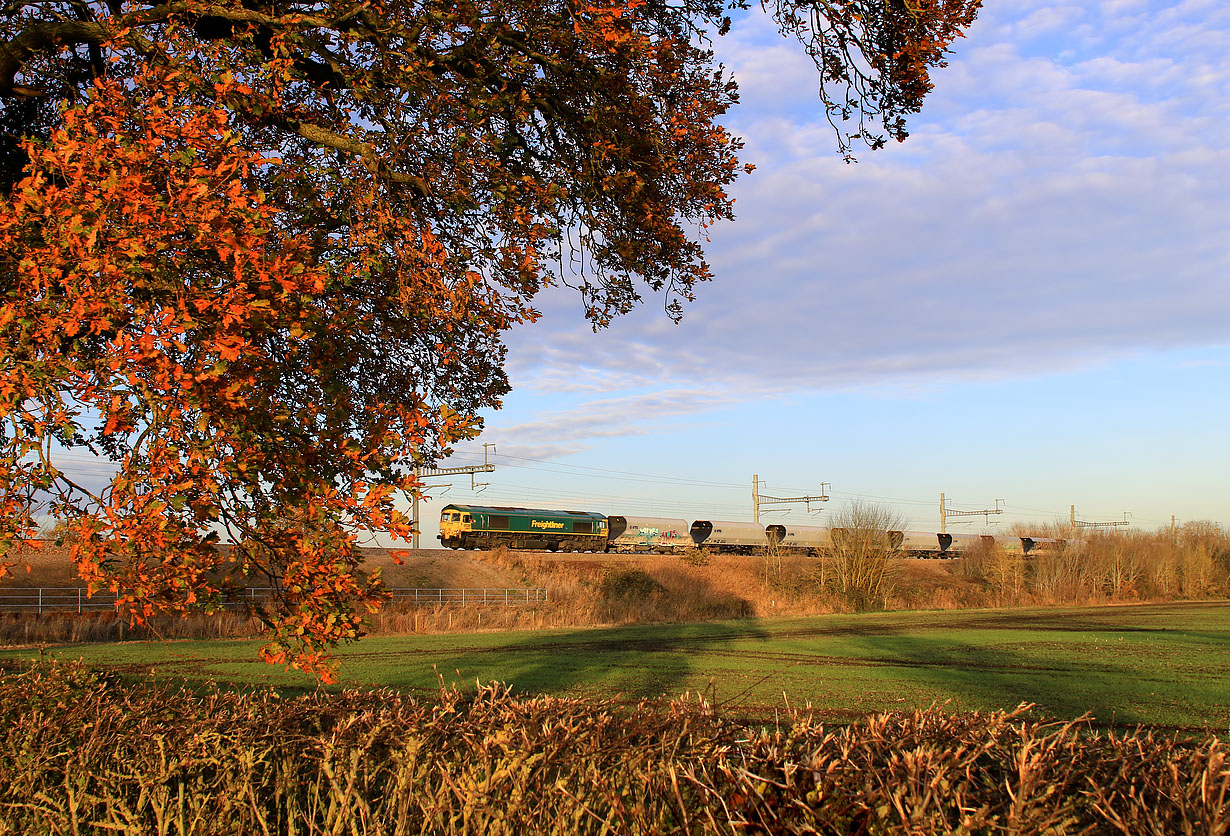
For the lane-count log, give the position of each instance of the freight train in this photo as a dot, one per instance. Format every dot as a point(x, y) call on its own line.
point(483, 527)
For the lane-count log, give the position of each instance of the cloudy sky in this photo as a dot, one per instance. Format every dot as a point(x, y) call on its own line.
point(1026, 301)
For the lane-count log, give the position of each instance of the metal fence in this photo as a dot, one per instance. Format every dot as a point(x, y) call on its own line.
point(467, 596)
point(77, 599)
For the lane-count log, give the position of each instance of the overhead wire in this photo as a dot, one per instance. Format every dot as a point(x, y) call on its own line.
point(531, 491)
point(665, 480)
point(527, 490)
point(562, 468)
point(623, 475)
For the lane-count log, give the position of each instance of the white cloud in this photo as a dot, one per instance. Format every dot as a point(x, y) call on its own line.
point(557, 432)
point(1048, 19)
point(1046, 214)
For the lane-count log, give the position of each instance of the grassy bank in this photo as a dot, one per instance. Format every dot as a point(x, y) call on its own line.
point(1159, 664)
point(604, 590)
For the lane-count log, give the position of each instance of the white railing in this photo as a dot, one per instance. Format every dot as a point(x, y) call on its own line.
point(77, 599)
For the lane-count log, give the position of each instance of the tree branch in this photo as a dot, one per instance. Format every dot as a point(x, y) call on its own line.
point(39, 38)
point(330, 139)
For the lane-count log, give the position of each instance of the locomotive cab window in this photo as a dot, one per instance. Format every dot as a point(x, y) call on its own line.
point(464, 517)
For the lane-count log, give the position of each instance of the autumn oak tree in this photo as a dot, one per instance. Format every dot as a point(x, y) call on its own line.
point(260, 254)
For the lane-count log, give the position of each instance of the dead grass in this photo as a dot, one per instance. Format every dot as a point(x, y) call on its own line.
point(1102, 567)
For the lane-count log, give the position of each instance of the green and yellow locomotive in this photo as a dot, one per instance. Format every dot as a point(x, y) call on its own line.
point(479, 527)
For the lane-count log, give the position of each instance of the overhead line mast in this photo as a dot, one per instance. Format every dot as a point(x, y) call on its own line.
point(946, 512)
point(421, 473)
point(759, 500)
point(1083, 524)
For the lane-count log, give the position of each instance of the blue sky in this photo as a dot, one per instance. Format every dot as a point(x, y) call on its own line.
point(1027, 300)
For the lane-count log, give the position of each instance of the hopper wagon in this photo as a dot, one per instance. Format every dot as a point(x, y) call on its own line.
point(643, 535)
point(810, 540)
point(726, 537)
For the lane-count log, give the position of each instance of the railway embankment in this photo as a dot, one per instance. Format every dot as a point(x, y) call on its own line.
point(576, 590)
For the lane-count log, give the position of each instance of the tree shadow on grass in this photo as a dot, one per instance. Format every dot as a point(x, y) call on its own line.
point(1115, 684)
point(1145, 668)
point(1123, 665)
point(641, 661)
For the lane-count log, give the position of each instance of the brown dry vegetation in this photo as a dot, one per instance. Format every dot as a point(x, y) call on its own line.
point(80, 751)
point(585, 590)
point(1189, 562)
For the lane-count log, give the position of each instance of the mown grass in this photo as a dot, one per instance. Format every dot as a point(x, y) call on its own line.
point(1125, 665)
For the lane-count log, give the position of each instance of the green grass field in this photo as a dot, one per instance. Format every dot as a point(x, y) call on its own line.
point(1166, 664)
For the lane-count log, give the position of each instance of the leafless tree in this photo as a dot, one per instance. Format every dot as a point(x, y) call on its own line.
point(864, 552)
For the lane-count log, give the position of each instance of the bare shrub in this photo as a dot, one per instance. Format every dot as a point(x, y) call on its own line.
point(1204, 557)
point(1055, 577)
point(622, 583)
point(695, 557)
point(1007, 577)
point(626, 592)
point(771, 554)
point(1117, 562)
point(976, 558)
point(1163, 564)
point(861, 565)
